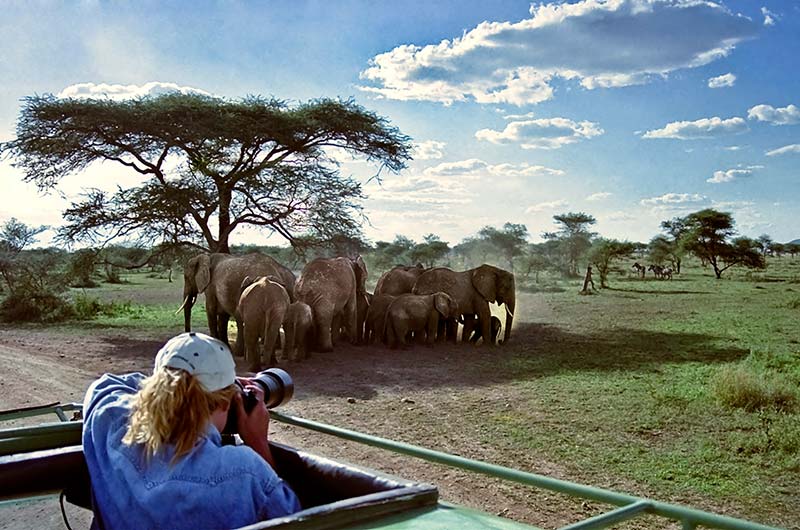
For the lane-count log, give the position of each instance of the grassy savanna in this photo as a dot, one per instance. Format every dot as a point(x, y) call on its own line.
point(635, 388)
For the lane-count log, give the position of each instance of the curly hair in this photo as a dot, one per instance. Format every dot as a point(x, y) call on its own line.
point(172, 408)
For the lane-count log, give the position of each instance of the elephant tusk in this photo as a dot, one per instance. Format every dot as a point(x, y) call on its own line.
point(185, 300)
point(509, 311)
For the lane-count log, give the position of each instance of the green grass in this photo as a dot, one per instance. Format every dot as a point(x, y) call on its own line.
point(622, 384)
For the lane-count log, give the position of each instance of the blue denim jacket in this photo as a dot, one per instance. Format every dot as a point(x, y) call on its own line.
point(212, 487)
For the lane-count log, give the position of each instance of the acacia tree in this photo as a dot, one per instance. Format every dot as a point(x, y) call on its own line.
point(671, 249)
point(604, 252)
point(574, 237)
point(431, 250)
point(210, 165)
point(510, 240)
point(710, 237)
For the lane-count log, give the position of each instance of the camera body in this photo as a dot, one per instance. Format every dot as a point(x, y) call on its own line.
point(278, 390)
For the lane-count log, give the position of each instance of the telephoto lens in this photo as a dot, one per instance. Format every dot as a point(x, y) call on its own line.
point(278, 390)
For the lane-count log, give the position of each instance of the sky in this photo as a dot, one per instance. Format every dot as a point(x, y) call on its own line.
point(634, 111)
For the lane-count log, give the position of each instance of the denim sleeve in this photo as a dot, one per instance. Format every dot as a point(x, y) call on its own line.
point(279, 500)
point(110, 385)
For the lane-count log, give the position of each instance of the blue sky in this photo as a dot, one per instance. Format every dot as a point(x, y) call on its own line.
point(632, 110)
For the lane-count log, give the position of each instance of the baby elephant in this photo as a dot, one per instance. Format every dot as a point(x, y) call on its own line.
point(297, 325)
point(418, 313)
point(473, 330)
point(262, 308)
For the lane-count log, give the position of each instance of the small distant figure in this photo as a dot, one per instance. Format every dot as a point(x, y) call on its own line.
point(640, 269)
point(588, 280)
point(666, 273)
point(657, 271)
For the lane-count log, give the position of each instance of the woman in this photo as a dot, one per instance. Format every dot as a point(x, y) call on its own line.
point(154, 452)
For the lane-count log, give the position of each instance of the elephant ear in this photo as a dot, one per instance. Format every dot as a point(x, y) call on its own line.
point(484, 280)
point(202, 274)
point(443, 304)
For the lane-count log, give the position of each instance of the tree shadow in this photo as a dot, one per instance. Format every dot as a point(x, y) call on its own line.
point(654, 291)
point(535, 350)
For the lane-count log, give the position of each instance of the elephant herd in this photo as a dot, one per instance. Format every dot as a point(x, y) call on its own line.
point(329, 300)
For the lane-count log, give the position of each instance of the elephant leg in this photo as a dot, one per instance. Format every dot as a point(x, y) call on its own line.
point(485, 323)
point(222, 328)
point(252, 350)
point(430, 329)
point(468, 329)
point(350, 318)
point(336, 328)
point(452, 330)
point(323, 316)
point(272, 331)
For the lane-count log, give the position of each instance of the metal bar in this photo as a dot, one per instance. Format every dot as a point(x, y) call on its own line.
point(38, 410)
point(614, 516)
point(45, 436)
point(671, 511)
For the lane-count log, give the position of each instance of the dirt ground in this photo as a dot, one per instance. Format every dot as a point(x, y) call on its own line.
point(419, 395)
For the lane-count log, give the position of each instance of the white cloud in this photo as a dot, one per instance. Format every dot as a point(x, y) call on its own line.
point(792, 148)
point(675, 201)
point(730, 175)
point(599, 44)
point(475, 168)
point(699, 129)
point(547, 206)
point(733, 148)
point(547, 133)
point(120, 92)
point(788, 115)
point(599, 196)
point(429, 150)
point(619, 215)
point(518, 117)
point(721, 81)
point(769, 17)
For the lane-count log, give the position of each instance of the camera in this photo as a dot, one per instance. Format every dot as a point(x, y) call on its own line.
point(278, 390)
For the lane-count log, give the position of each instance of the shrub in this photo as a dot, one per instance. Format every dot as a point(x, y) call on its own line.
point(88, 307)
point(35, 307)
point(751, 389)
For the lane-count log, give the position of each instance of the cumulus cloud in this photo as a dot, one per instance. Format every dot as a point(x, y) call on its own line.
point(598, 44)
point(792, 148)
point(703, 128)
point(475, 168)
point(675, 201)
point(769, 16)
point(547, 206)
point(546, 133)
point(730, 175)
point(120, 92)
point(721, 81)
point(599, 196)
point(429, 150)
point(788, 115)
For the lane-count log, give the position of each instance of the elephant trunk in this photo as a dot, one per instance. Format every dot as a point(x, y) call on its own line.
point(510, 308)
point(188, 301)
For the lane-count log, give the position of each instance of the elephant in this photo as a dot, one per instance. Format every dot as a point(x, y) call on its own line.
point(472, 290)
point(220, 277)
point(417, 313)
point(330, 286)
point(376, 317)
point(399, 280)
point(262, 308)
point(298, 323)
point(472, 330)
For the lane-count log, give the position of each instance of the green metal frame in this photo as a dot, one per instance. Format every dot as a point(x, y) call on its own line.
point(64, 433)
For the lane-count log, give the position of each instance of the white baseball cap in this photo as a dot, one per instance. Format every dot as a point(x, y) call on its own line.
point(206, 358)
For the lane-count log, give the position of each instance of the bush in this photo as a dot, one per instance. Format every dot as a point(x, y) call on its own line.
point(35, 307)
point(88, 307)
point(752, 389)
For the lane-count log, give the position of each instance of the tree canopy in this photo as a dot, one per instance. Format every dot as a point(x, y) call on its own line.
point(709, 236)
point(604, 252)
point(210, 165)
point(573, 236)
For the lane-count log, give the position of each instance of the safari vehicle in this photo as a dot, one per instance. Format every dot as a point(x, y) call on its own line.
point(47, 459)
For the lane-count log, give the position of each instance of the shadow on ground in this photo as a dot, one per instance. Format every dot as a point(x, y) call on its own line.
point(536, 350)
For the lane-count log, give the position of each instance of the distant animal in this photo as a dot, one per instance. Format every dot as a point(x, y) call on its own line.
point(640, 269)
point(262, 306)
point(666, 273)
point(657, 270)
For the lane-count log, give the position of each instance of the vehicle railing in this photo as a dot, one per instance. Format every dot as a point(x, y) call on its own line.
point(24, 439)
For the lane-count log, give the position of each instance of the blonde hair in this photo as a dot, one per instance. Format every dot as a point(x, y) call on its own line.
point(172, 408)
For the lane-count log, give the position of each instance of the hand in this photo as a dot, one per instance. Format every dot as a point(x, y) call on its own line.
point(254, 427)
